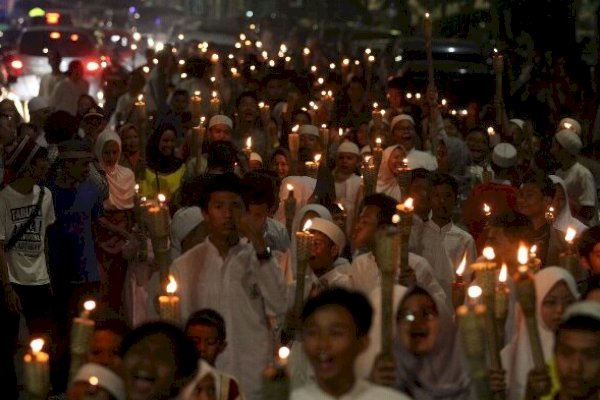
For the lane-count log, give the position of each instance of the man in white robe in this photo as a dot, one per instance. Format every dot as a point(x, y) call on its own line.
point(348, 185)
point(445, 244)
point(404, 134)
point(236, 277)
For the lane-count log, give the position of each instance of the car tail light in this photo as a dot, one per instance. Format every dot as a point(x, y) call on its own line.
point(92, 66)
point(16, 64)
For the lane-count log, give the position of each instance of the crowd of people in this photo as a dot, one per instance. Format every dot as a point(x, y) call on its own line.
point(212, 137)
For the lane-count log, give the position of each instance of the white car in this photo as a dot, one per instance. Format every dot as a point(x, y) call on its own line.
point(29, 62)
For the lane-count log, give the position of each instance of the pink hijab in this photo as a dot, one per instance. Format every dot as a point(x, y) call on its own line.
point(121, 180)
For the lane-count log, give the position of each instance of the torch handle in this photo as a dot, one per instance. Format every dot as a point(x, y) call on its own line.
point(387, 318)
point(534, 340)
point(300, 283)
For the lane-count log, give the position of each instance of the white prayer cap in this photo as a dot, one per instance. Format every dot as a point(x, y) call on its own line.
point(255, 157)
point(518, 122)
point(585, 308)
point(186, 219)
point(348, 147)
point(37, 103)
point(570, 124)
point(504, 155)
point(331, 230)
point(402, 117)
point(220, 119)
point(365, 150)
point(308, 130)
point(569, 141)
point(106, 379)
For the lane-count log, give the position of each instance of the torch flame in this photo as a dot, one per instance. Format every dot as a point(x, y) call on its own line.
point(284, 352)
point(567, 125)
point(427, 15)
point(486, 209)
point(197, 93)
point(462, 266)
point(341, 132)
point(317, 158)
point(290, 187)
point(36, 345)
point(172, 285)
point(570, 235)
point(214, 94)
point(324, 126)
point(488, 253)
point(89, 305)
point(93, 380)
point(136, 187)
point(295, 128)
point(249, 142)
point(261, 104)
point(376, 105)
point(395, 219)
point(161, 198)
point(140, 98)
point(533, 250)
point(503, 273)
point(368, 159)
point(474, 292)
point(522, 255)
point(307, 225)
point(340, 206)
point(409, 204)
point(378, 141)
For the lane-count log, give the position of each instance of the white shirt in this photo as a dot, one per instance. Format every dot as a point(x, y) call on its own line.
point(26, 260)
point(47, 84)
point(421, 159)
point(348, 194)
point(580, 185)
point(66, 94)
point(444, 248)
point(276, 235)
point(240, 288)
point(366, 276)
point(362, 390)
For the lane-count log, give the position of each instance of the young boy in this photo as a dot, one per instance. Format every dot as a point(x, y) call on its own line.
point(589, 249)
point(25, 213)
point(347, 184)
point(206, 328)
point(335, 327)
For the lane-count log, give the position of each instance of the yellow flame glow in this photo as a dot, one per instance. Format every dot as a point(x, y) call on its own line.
point(172, 285)
point(307, 225)
point(283, 352)
point(570, 235)
point(36, 345)
point(162, 198)
point(522, 255)
point(290, 187)
point(409, 204)
point(488, 253)
point(503, 276)
point(462, 266)
point(249, 142)
point(395, 219)
point(474, 292)
point(89, 305)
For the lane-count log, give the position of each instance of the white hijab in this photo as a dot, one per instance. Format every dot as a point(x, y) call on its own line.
point(565, 219)
point(121, 180)
point(204, 369)
point(517, 359)
point(304, 187)
point(386, 180)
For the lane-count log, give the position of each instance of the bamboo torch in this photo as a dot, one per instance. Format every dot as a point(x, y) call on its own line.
point(459, 286)
point(159, 229)
point(290, 208)
point(405, 211)
point(369, 175)
point(386, 257)
point(303, 244)
point(294, 146)
point(498, 62)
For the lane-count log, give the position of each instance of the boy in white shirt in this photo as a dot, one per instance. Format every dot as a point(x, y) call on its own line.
point(335, 328)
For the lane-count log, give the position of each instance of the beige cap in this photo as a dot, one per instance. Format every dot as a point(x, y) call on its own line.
point(331, 230)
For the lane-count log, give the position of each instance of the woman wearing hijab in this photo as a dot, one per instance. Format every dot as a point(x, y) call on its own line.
point(429, 359)
point(164, 171)
point(280, 162)
point(130, 153)
point(386, 179)
point(555, 290)
point(115, 226)
point(563, 218)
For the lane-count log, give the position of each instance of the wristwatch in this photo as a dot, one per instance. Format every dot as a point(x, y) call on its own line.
point(265, 255)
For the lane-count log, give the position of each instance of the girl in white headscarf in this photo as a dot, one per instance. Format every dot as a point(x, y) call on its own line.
point(563, 218)
point(430, 363)
point(391, 161)
point(555, 290)
point(114, 231)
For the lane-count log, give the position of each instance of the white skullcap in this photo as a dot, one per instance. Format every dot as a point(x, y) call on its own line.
point(255, 157)
point(348, 147)
point(220, 119)
point(570, 124)
point(308, 130)
point(504, 155)
point(331, 230)
point(184, 221)
point(585, 308)
point(518, 122)
point(365, 149)
point(569, 141)
point(37, 103)
point(107, 379)
point(402, 117)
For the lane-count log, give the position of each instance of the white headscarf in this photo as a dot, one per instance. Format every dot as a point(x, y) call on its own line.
point(121, 180)
point(204, 369)
point(517, 359)
point(442, 373)
point(386, 180)
point(304, 187)
point(565, 219)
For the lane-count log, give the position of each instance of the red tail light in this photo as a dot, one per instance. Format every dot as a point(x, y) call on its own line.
point(16, 65)
point(92, 66)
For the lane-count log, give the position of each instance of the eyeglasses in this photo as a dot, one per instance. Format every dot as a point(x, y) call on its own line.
point(409, 316)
